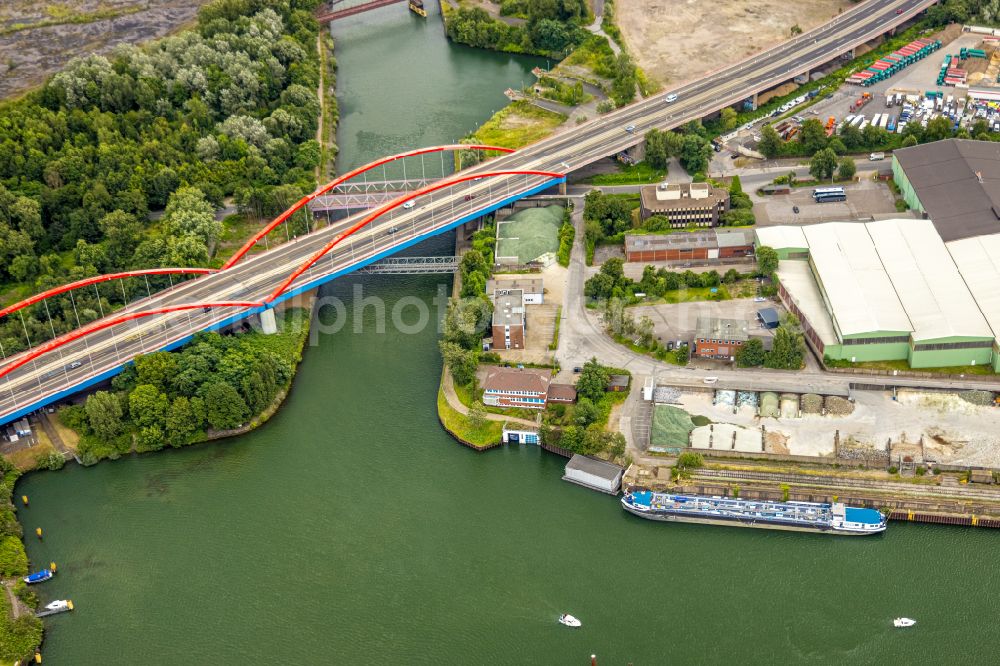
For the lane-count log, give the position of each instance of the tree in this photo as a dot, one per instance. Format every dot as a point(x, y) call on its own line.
point(787, 351)
point(770, 142)
point(644, 329)
point(823, 164)
point(477, 415)
point(938, 128)
point(727, 118)
point(767, 260)
point(224, 407)
point(189, 213)
point(851, 136)
point(846, 168)
point(461, 362)
point(812, 136)
point(465, 321)
point(735, 186)
point(183, 420)
point(593, 381)
point(572, 438)
point(147, 406)
point(750, 354)
point(157, 369)
point(122, 233)
point(585, 412)
point(731, 276)
point(695, 154)
point(911, 140)
point(105, 415)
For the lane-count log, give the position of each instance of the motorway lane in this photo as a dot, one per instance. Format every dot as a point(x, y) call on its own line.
point(254, 278)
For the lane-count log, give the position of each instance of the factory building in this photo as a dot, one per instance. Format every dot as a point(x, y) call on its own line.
point(891, 290)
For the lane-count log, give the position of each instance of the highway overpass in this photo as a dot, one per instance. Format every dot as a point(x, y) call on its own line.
point(260, 281)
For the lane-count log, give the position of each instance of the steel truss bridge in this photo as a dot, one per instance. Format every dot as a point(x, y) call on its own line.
point(253, 282)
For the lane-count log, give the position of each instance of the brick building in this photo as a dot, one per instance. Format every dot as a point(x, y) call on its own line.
point(720, 338)
point(508, 320)
point(516, 387)
point(707, 246)
point(684, 204)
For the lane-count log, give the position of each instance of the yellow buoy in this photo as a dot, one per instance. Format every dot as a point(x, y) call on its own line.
point(38, 531)
point(70, 604)
point(38, 657)
point(52, 565)
point(24, 498)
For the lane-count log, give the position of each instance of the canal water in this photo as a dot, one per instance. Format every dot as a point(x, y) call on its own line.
point(352, 530)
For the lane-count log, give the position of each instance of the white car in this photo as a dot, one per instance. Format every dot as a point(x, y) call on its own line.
point(671, 98)
point(630, 128)
point(410, 204)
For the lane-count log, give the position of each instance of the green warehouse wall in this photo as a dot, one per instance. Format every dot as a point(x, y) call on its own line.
point(909, 195)
point(940, 358)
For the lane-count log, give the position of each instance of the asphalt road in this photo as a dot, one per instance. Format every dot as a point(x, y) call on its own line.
point(42, 380)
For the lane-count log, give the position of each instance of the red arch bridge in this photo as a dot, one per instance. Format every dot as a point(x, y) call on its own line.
point(253, 281)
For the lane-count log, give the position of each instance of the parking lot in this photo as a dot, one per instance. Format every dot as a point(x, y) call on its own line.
point(865, 199)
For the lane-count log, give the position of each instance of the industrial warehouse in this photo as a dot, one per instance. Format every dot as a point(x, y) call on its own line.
point(891, 290)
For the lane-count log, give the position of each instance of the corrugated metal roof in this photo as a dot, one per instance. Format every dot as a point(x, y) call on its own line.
point(783, 237)
point(860, 294)
point(958, 183)
point(734, 237)
point(978, 260)
point(797, 279)
point(925, 278)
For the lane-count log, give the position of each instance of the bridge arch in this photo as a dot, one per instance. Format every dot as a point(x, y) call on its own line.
point(97, 279)
point(304, 201)
point(103, 324)
point(395, 203)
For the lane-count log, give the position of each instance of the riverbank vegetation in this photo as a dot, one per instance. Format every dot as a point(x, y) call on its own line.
point(214, 384)
point(540, 27)
point(516, 125)
point(474, 429)
point(227, 109)
point(567, 234)
point(583, 427)
point(18, 637)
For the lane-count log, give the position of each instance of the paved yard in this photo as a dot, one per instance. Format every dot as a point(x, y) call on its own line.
point(678, 321)
point(864, 199)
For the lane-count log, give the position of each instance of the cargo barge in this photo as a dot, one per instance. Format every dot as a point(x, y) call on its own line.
point(834, 518)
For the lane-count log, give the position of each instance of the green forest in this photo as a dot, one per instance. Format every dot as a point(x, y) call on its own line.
point(550, 27)
point(215, 382)
point(226, 109)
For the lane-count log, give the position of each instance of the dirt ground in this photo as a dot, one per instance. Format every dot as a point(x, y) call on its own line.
point(37, 38)
point(953, 430)
point(541, 319)
point(676, 40)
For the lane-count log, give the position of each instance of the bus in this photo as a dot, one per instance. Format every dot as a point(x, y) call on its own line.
point(827, 190)
point(829, 197)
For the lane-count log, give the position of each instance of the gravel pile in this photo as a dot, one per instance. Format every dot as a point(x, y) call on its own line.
point(838, 406)
point(769, 404)
point(746, 399)
point(984, 398)
point(666, 395)
point(725, 397)
point(812, 403)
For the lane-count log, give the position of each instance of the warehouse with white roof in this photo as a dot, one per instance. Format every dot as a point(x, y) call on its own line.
point(890, 290)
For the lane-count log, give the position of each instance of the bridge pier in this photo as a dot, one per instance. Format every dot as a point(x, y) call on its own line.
point(268, 325)
point(637, 152)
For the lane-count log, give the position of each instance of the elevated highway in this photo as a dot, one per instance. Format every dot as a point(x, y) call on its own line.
point(260, 281)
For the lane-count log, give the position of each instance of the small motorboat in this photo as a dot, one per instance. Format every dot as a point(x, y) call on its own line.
point(903, 622)
point(59, 605)
point(569, 620)
point(38, 576)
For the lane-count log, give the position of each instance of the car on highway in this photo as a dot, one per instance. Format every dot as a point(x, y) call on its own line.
point(470, 197)
point(74, 365)
point(410, 204)
point(630, 128)
point(899, 11)
point(671, 98)
point(795, 209)
point(392, 231)
point(710, 380)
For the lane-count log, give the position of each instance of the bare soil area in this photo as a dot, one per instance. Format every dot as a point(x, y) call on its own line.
point(677, 40)
point(39, 38)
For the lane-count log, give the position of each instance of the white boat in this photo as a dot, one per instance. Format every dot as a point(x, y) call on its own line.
point(569, 620)
point(59, 605)
point(903, 622)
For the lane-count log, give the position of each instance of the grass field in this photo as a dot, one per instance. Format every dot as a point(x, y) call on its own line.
point(458, 424)
point(631, 174)
point(671, 426)
point(902, 366)
point(518, 124)
point(530, 233)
